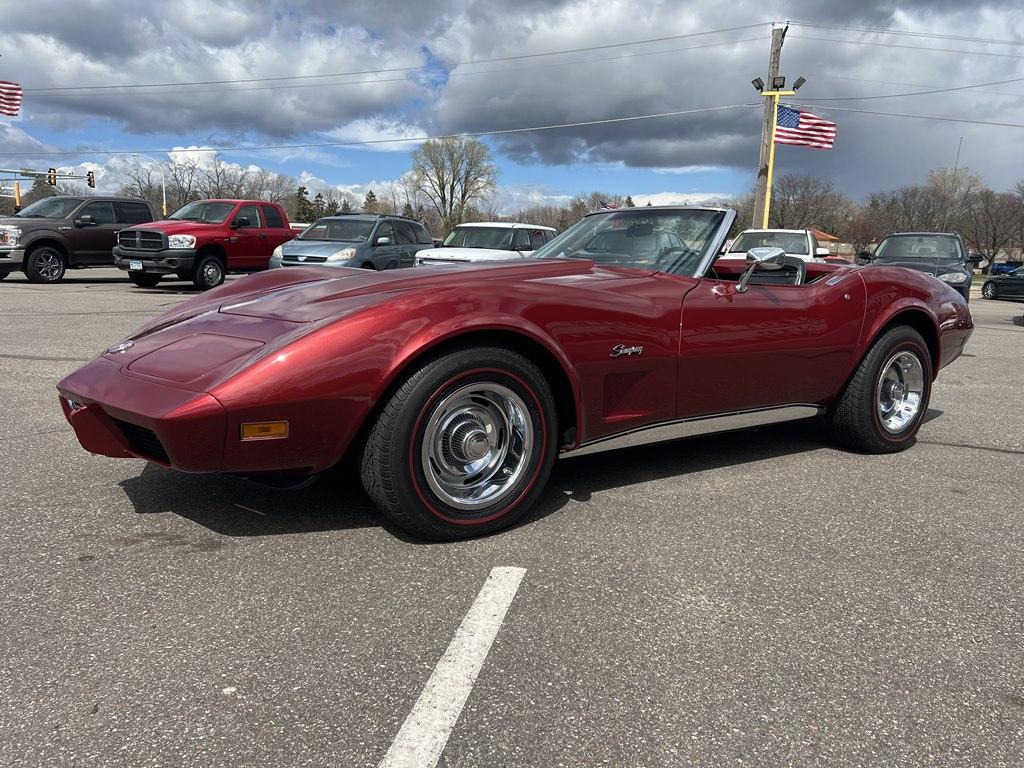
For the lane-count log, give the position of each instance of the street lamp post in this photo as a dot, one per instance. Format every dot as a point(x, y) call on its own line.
point(163, 180)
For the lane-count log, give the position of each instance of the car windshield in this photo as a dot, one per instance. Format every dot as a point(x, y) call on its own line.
point(339, 230)
point(906, 247)
point(672, 241)
point(479, 237)
point(50, 208)
point(791, 242)
point(205, 211)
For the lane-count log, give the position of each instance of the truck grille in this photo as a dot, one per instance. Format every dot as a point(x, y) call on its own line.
point(143, 441)
point(140, 240)
point(298, 260)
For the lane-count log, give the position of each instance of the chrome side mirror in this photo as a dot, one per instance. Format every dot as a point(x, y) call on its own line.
point(763, 258)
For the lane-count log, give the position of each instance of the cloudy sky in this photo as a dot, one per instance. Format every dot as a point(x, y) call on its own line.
point(321, 71)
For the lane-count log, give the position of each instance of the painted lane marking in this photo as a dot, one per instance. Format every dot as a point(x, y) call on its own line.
point(423, 735)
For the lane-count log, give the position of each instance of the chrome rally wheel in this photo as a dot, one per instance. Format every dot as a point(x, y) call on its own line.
point(900, 391)
point(464, 445)
point(476, 445)
point(988, 290)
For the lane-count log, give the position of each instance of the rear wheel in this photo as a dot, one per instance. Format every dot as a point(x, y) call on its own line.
point(464, 446)
point(208, 272)
point(44, 264)
point(144, 279)
point(989, 290)
point(882, 407)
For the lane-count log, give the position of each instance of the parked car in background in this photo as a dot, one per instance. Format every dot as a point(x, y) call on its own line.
point(487, 241)
point(366, 240)
point(795, 242)
point(941, 254)
point(203, 241)
point(66, 232)
point(454, 389)
point(1003, 267)
point(1009, 285)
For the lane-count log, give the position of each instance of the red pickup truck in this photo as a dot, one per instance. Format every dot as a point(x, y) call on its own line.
point(203, 241)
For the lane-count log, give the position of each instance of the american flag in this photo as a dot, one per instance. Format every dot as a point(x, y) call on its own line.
point(10, 98)
point(608, 206)
point(804, 129)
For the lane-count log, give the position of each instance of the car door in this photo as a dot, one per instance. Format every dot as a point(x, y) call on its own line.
point(386, 254)
point(405, 238)
point(94, 242)
point(772, 345)
point(247, 243)
point(1014, 284)
point(274, 227)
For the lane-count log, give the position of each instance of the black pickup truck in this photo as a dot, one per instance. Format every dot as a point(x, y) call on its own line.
point(66, 232)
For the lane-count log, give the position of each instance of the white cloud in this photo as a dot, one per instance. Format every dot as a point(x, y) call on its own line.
point(678, 198)
point(381, 129)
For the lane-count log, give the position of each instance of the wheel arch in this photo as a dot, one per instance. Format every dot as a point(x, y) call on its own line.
point(539, 350)
point(50, 240)
point(916, 317)
point(213, 249)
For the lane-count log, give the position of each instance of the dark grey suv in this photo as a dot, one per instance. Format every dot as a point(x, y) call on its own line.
point(66, 232)
point(369, 241)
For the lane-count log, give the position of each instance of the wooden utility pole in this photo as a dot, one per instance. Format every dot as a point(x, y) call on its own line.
point(761, 185)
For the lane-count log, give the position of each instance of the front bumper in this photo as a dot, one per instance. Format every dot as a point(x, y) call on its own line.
point(11, 259)
point(165, 262)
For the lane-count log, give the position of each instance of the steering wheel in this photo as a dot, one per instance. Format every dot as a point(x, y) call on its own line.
point(674, 256)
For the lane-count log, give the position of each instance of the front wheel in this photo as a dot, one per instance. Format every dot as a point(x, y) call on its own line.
point(885, 400)
point(144, 279)
point(44, 264)
point(464, 446)
point(989, 290)
point(207, 273)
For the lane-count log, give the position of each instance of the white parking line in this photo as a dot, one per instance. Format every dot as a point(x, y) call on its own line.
point(425, 732)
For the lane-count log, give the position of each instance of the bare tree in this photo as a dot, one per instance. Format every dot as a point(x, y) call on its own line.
point(803, 202)
point(993, 220)
point(453, 173)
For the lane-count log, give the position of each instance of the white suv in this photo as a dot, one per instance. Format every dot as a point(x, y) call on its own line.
point(795, 242)
point(487, 241)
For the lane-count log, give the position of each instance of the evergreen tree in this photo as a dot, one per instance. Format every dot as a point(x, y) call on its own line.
point(304, 211)
point(629, 202)
point(346, 207)
point(370, 203)
point(319, 206)
point(407, 210)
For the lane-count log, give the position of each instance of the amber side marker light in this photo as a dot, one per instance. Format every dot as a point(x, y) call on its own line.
point(264, 430)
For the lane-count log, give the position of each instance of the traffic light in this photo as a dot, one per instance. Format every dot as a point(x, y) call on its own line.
point(90, 180)
point(51, 176)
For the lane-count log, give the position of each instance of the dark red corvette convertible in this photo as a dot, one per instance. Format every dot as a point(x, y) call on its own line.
point(456, 388)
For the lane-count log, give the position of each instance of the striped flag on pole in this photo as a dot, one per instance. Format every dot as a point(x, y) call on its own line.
point(10, 98)
point(804, 129)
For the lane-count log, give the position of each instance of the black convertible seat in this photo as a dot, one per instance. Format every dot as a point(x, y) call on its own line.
point(793, 272)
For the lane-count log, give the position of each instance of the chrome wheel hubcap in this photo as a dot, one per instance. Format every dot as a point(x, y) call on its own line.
point(477, 444)
point(49, 265)
point(211, 273)
point(900, 391)
point(989, 291)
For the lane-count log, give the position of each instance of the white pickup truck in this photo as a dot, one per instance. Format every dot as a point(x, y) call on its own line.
point(795, 242)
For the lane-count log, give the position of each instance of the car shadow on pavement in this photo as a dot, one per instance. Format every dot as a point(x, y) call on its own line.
point(232, 506)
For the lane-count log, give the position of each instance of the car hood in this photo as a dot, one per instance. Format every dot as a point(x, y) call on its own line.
point(31, 222)
point(468, 254)
point(930, 266)
point(314, 247)
point(175, 227)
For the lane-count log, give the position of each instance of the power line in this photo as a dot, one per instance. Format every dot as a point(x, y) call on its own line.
point(908, 33)
point(908, 47)
point(406, 79)
point(396, 69)
point(919, 93)
point(909, 85)
point(370, 142)
point(917, 117)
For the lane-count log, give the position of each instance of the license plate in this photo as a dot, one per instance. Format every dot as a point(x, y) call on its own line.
point(135, 265)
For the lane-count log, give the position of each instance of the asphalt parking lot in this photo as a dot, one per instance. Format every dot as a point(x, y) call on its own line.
point(758, 598)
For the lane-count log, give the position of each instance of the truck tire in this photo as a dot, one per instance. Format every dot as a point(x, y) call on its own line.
point(44, 264)
point(144, 279)
point(886, 399)
point(208, 272)
point(464, 446)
